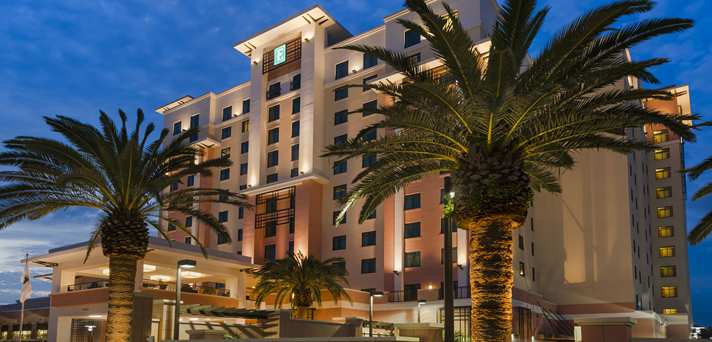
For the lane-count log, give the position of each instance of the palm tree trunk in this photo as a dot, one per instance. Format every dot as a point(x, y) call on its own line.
point(302, 312)
point(491, 277)
point(121, 296)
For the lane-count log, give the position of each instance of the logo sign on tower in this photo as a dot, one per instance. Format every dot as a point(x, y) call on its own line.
point(280, 54)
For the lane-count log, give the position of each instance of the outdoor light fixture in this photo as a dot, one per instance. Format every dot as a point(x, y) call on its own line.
point(181, 265)
point(371, 295)
point(160, 277)
point(147, 268)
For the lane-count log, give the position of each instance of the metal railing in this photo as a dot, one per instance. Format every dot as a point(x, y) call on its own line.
point(99, 284)
point(205, 290)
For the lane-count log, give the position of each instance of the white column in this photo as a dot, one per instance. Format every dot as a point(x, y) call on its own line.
point(257, 93)
point(462, 262)
point(398, 243)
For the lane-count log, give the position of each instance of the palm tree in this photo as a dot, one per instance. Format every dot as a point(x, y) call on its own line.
point(300, 279)
point(119, 173)
point(501, 123)
point(704, 227)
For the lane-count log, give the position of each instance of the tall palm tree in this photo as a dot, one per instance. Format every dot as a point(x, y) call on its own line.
point(300, 279)
point(501, 123)
point(123, 175)
point(704, 227)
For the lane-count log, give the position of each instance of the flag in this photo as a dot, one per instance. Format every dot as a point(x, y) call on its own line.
point(26, 284)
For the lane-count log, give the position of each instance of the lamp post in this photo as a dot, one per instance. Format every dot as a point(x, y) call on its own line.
point(182, 264)
point(420, 304)
point(449, 309)
point(372, 294)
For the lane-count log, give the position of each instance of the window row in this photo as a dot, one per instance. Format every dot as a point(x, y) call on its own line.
point(228, 113)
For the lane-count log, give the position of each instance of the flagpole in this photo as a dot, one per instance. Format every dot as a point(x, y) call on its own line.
point(22, 300)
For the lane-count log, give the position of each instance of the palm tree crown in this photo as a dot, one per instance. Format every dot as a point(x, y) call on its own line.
point(704, 227)
point(120, 173)
point(300, 279)
point(502, 123)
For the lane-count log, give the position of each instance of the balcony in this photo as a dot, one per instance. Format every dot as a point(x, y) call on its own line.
point(187, 288)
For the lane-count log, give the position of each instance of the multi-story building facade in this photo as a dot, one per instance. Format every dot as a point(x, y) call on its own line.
point(589, 261)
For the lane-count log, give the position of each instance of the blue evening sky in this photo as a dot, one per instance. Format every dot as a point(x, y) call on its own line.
point(75, 57)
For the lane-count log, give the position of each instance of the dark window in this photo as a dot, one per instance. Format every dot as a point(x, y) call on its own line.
point(341, 116)
point(368, 159)
point(223, 238)
point(521, 242)
point(341, 93)
point(340, 265)
point(187, 240)
point(340, 166)
point(271, 205)
point(243, 187)
point(272, 178)
point(295, 129)
point(227, 113)
point(222, 216)
point(368, 80)
point(411, 202)
point(270, 252)
point(294, 172)
point(194, 123)
point(342, 70)
point(291, 226)
point(224, 174)
point(272, 158)
point(372, 215)
point(341, 139)
point(189, 221)
point(226, 132)
point(171, 226)
point(190, 181)
point(245, 106)
point(370, 107)
point(338, 243)
point(335, 215)
point(295, 152)
point(290, 247)
point(370, 134)
point(296, 82)
point(241, 213)
point(239, 235)
point(174, 186)
point(411, 38)
point(368, 265)
point(368, 238)
point(340, 191)
point(271, 229)
point(411, 230)
point(177, 130)
point(245, 147)
point(273, 113)
point(296, 105)
point(410, 292)
point(412, 259)
point(273, 136)
point(274, 90)
point(369, 60)
point(243, 169)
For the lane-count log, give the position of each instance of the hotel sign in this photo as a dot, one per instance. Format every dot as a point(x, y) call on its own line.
point(280, 54)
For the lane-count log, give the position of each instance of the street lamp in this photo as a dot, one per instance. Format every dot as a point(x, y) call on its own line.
point(182, 264)
point(449, 309)
point(372, 294)
point(420, 304)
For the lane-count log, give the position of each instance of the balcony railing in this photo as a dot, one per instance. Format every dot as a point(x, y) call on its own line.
point(206, 290)
point(458, 293)
point(99, 284)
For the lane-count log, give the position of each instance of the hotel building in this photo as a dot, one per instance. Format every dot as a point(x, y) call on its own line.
point(606, 257)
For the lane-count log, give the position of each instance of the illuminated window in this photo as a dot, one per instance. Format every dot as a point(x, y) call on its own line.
point(669, 311)
point(661, 153)
point(666, 252)
point(665, 231)
point(668, 271)
point(662, 173)
point(663, 192)
point(663, 212)
point(660, 136)
point(668, 291)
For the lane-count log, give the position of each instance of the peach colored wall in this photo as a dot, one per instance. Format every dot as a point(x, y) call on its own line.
point(597, 333)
